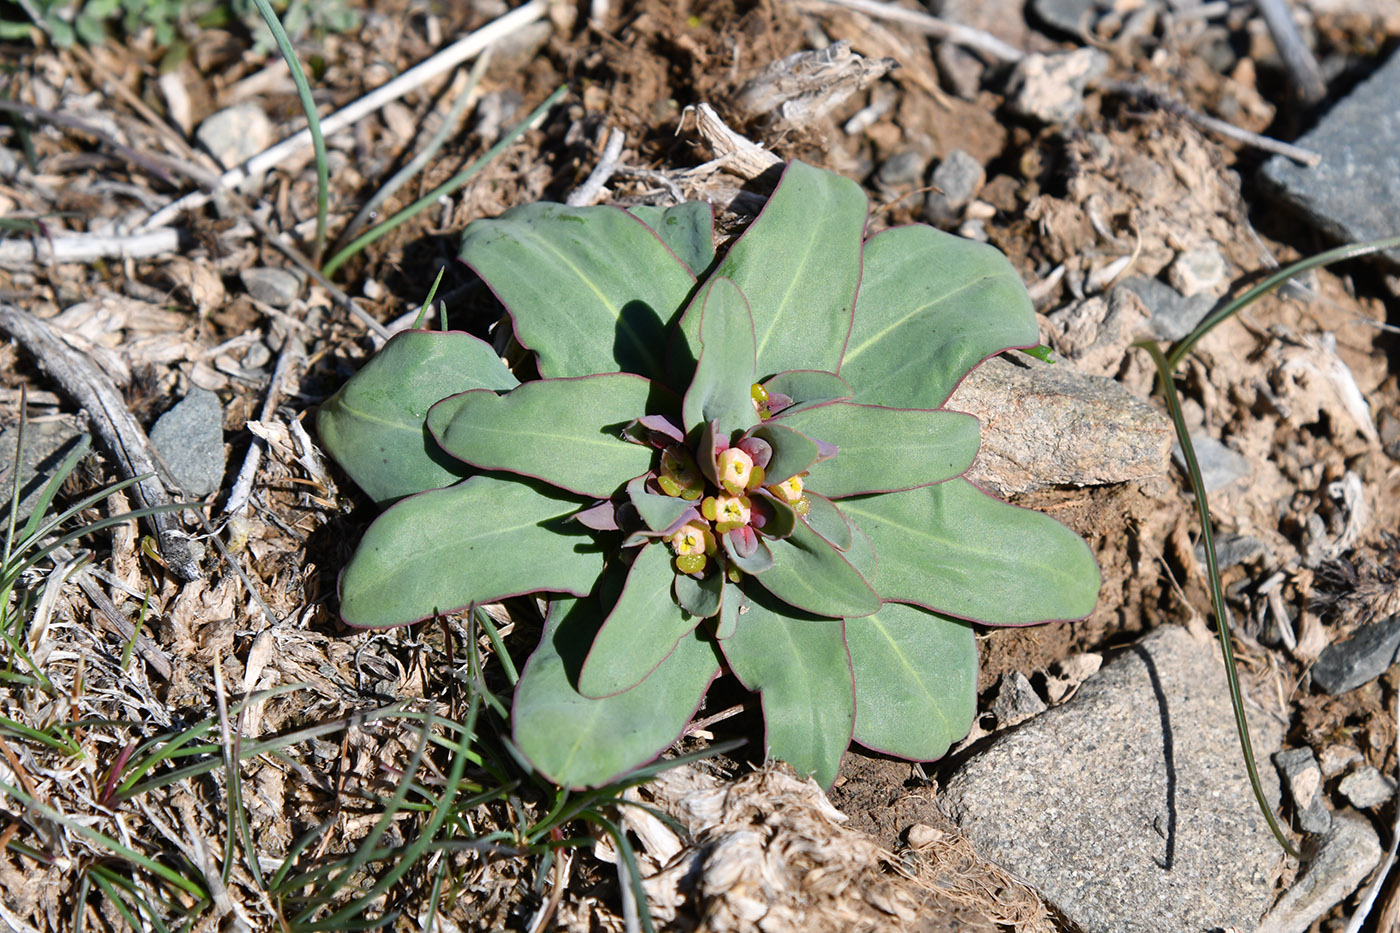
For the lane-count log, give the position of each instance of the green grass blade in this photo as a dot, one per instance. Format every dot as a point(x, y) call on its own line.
point(151, 865)
point(313, 121)
point(446, 188)
point(1217, 597)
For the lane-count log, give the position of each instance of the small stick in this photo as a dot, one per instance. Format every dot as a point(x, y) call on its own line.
point(124, 438)
point(586, 193)
point(1173, 106)
point(292, 351)
point(150, 163)
point(1297, 57)
point(420, 74)
point(90, 247)
point(956, 33)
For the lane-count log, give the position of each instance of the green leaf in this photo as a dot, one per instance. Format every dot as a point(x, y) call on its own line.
point(687, 228)
point(828, 521)
point(640, 631)
point(809, 386)
point(476, 542)
point(374, 426)
point(757, 562)
point(916, 681)
point(793, 452)
point(799, 666)
point(954, 549)
point(885, 449)
point(566, 432)
point(700, 598)
point(657, 512)
point(861, 553)
point(809, 574)
point(724, 372)
point(799, 264)
point(731, 606)
point(931, 307)
point(578, 742)
point(591, 289)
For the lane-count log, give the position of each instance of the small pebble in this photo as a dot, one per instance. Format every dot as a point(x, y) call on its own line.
point(1366, 787)
point(236, 134)
point(1199, 271)
point(921, 835)
point(276, 287)
point(190, 439)
point(1303, 778)
point(902, 170)
point(958, 178)
point(1016, 700)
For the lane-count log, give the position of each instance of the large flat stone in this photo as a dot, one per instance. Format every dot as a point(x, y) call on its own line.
point(1128, 807)
point(1354, 194)
point(1054, 425)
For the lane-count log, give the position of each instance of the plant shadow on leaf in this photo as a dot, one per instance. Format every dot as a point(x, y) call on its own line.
point(640, 330)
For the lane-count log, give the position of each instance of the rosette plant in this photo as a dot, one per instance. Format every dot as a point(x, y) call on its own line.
point(737, 464)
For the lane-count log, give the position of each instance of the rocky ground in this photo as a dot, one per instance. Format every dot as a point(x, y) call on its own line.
point(1140, 161)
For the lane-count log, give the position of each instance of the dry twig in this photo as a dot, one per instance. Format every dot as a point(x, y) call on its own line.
point(420, 74)
point(1161, 101)
point(123, 437)
point(588, 192)
point(975, 39)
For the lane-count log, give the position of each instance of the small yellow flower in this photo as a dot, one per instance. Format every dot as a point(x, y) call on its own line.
point(694, 538)
point(734, 469)
point(727, 512)
point(789, 490)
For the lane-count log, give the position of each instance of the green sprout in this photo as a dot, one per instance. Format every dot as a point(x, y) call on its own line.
point(738, 465)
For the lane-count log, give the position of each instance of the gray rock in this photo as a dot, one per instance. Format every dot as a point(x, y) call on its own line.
point(960, 69)
point(1303, 778)
point(1232, 550)
point(46, 445)
point(1016, 700)
point(1050, 88)
point(1346, 665)
point(1354, 194)
point(958, 178)
point(236, 134)
point(1054, 425)
point(904, 169)
point(1345, 856)
point(1220, 466)
point(1128, 807)
point(1070, 17)
point(1366, 787)
point(190, 439)
point(1173, 314)
point(277, 287)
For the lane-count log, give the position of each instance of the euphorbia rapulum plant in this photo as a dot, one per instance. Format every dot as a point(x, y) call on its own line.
point(739, 465)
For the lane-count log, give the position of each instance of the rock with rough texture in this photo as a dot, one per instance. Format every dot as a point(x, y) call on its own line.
point(1303, 778)
point(1173, 315)
point(236, 134)
point(1354, 193)
point(1220, 466)
point(1016, 700)
point(957, 179)
point(904, 169)
point(1334, 868)
point(1366, 787)
point(1128, 807)
point(190, 439)
point(1346, 665)
point(1051, 425)
point(276, 287)
point(46, 445)
point(1050, 88)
